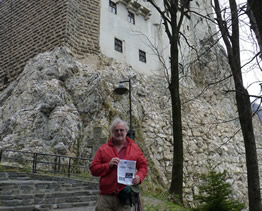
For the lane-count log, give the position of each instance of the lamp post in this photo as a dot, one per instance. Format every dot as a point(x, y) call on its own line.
point(120, 90)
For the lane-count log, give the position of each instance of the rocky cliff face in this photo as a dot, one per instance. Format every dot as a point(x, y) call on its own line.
point(64, 106)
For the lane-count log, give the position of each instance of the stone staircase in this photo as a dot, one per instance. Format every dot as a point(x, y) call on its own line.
point(35, 192)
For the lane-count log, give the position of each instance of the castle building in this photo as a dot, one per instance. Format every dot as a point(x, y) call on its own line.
point(131, 32)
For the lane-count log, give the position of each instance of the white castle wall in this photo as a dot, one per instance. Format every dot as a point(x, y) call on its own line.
point(145, 34)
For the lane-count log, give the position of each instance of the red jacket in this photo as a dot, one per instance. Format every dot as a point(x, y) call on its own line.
point(108, 176)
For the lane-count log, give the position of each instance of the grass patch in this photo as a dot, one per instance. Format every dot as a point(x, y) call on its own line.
point(14, 169)
point(157, 198)
point(157, 204)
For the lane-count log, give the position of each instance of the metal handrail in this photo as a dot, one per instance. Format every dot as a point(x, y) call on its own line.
point(58, 165)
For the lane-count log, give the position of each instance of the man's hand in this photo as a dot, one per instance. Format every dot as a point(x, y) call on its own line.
point(113, 162)
point(136, 180)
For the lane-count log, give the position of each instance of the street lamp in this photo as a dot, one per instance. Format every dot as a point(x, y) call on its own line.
point(120, 90)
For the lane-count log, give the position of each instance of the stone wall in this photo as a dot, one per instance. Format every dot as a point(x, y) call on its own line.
point(29, 27)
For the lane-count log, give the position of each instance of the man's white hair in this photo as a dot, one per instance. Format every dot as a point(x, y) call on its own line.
point(116, 121)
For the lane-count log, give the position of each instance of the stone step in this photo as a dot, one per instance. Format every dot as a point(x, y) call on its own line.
point(39, 177)
point(66, 182)
point(24, 208)
point(61, 179)
point(90, 185)
point(53, 197)
point(13, 176)
point(75, 204)
point(88, 206)
point(50, 195)
point(40, 201)
point(30, 186)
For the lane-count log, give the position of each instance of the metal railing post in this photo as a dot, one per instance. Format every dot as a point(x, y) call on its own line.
point(1, 152)
point(59, 163)
point(34, 162)
point(69, 166)
point(55, 164)
point(33, 166)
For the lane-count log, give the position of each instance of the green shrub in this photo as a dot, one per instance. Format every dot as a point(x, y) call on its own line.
point(215, 194)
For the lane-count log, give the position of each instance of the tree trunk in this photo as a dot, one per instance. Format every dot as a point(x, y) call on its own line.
point(176, 186)
point(245, 117)
point(243, 103)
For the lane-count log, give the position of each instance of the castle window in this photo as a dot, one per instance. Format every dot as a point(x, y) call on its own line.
point(112, 7)
point(118, 45)
point(131, 17)
point(142, 56)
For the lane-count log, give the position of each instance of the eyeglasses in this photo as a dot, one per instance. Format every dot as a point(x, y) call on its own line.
point(119, 130)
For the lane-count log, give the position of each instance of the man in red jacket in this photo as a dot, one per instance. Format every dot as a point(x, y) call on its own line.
point(105, 164)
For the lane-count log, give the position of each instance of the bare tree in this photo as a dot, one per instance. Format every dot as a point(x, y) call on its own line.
point(173, 13)
point(230, 35)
